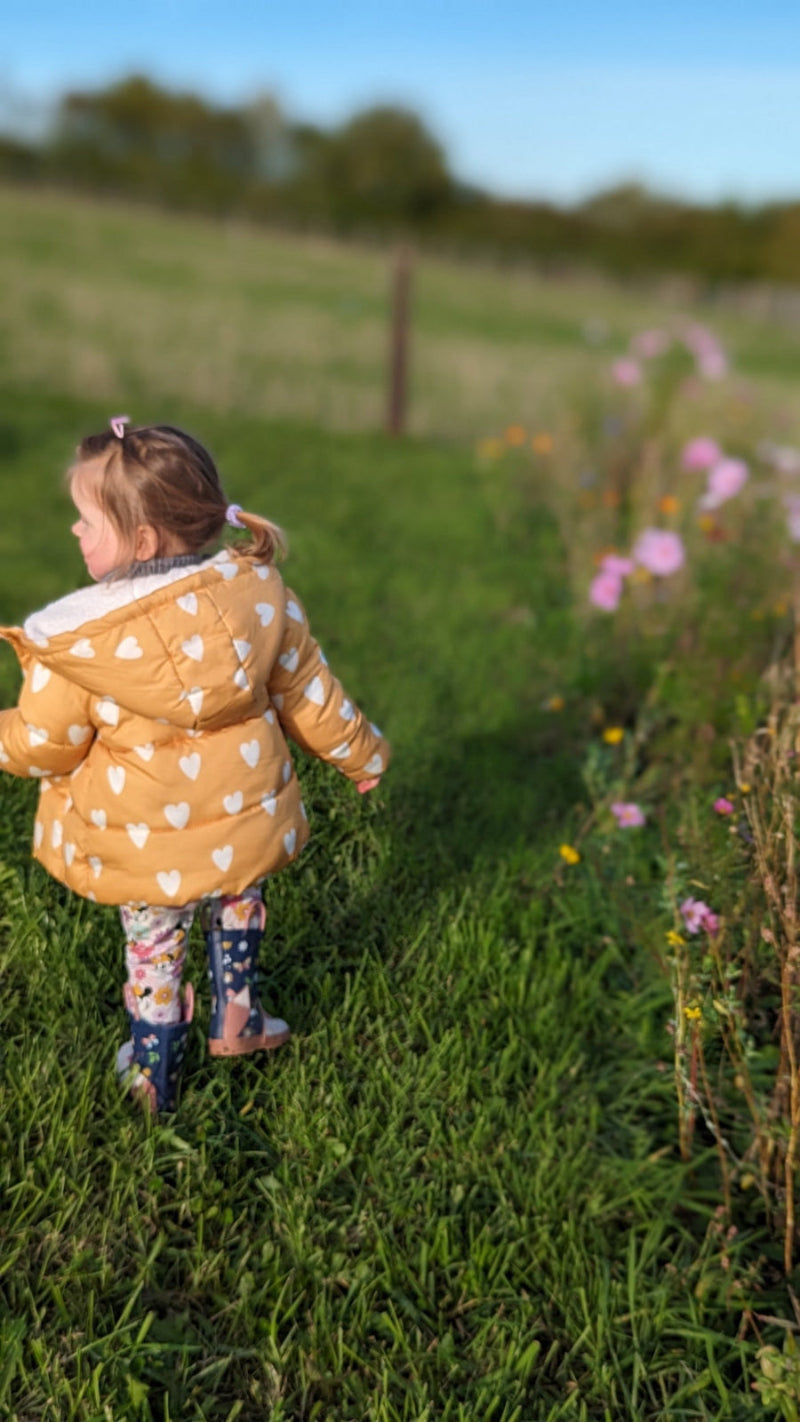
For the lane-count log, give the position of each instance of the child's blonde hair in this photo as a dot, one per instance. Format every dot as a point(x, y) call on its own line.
point(161, 476)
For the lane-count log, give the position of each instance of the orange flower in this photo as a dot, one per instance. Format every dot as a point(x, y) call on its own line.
point(515, 435)
point(542, 443)
point(669, 504)
point(612, 735)
point(611, 498)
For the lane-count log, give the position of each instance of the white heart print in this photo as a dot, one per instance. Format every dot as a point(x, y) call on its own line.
point(269, 803)
point(290, 659)
point(190, 765)
point(189, 603)
point(233, 803)
point(145, 752)
point(266, 612)
point(82, 648)
point(250, 752)
point(108, 710)
point(315, 691)
point(116, 778)
point(77, 734)
point(223, 858)
point(139, 834)
point(290, 840)
point(177, 815)
point(169, 882)
point(69, 854)
point(194, 647)
point(56, 834)
point(293, 611)
point(36, 735)
point(98, 817)
point(40, 676)
point(129, 650)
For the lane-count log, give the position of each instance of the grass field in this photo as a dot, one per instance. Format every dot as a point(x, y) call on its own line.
point(457, 1193)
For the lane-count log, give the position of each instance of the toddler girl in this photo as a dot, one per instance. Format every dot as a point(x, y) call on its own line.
point(154, 712)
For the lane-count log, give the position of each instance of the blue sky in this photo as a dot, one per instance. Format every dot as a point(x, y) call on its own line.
point(537, 99)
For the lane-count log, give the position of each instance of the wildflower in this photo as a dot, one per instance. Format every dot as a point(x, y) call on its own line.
point(723, 806)
point(627, 814)
point(605, 592)
point(791, 503)
point(697, 915)
point(489, 448)
point(554, 703)
point(669, 504)
point(616, 566)
point(694, 1014)
point(660, 551)
point(542, 443)
point(744, 787)
point(674, 939)
point(781, 607)
point(725, 480)
point(612, 735)
point(569, 854)
point(626, 372)
point(713, 364)
point(650, 343)
point(515, 435)
point(701, 453)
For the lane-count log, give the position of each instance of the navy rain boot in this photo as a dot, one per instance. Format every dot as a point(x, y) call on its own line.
point(239, 1023)
point(152, 1061)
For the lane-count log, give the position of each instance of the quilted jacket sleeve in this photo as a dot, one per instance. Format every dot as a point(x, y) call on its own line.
point(313, 708)
point(49, 731)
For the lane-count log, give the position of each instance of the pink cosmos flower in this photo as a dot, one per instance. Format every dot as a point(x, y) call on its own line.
point(791, 503)
point(713, 365)
point(701, 453)
point(616, 566)
point(697, 915)
point(626, 371)
point(660, 551)
point(723, 806)
point(605, 592)
point(650, 343)
point(725, 481)
point(627, 814)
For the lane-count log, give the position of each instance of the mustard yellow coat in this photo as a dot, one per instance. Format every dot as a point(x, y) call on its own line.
point(154, 711)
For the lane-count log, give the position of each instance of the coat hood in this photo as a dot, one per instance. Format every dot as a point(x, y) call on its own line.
point(197, 668)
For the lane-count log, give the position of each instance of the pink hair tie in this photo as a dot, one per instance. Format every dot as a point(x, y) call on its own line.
point(232, 516)
point(118, 423)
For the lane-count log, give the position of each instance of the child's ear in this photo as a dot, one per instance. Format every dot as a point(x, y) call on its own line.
point(146, 543)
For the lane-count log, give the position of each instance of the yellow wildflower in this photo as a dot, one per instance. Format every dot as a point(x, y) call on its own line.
point(693, 1013)
point(745, 787)
point(674, 939)
point(490, 448)
point(554, 703)
point(569, 854)
point(706, 523)
point(612, 735)
point(641, 575)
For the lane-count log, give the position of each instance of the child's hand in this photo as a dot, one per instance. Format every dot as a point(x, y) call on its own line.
point(362, 786)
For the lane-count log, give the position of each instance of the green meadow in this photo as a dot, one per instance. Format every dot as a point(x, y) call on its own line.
point(458, 1192)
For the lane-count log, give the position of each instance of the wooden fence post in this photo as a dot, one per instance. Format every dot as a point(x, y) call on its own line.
point(398, 347)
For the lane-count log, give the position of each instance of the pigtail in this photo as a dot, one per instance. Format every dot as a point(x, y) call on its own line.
point(267, 542)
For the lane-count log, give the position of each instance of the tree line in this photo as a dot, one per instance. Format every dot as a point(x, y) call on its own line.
point(381, 173)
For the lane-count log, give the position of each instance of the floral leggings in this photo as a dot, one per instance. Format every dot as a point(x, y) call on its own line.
point(155, 945)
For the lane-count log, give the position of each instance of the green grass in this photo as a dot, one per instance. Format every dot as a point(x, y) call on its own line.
point(456, 1193)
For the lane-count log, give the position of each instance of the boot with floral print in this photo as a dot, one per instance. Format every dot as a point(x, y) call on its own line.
point(152, 1061)
point(239, 1023)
